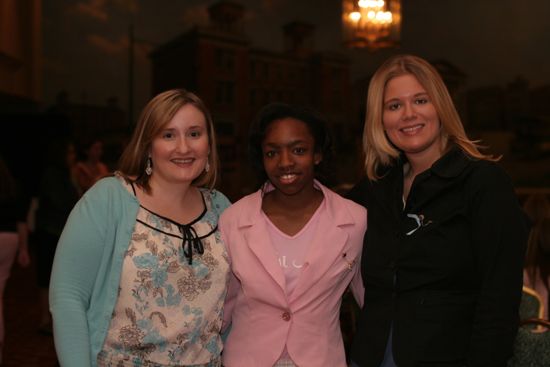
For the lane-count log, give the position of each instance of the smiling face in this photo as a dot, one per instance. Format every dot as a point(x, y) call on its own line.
point(289, 156)
point(410, 119)
point(180, 151)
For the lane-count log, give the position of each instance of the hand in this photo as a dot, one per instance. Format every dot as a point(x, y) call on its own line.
point(23, 258)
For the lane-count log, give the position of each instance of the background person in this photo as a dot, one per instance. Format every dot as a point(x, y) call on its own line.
point(13, 234)
point(89, 170)
point(57, 194)
point(536, 273)
point(442, 257)
point(140, 272)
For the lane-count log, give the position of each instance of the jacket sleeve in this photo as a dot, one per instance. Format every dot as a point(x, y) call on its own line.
point(499, 235)
point(230, 300)
point(234, 285)
point(356, 285)
point(77, 260)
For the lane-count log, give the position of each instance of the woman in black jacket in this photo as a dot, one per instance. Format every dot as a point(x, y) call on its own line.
point(442, 257)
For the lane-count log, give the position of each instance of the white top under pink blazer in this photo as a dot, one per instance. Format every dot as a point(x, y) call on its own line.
point(264, 319)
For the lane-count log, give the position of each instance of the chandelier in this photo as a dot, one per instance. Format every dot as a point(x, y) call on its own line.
point(371, 24)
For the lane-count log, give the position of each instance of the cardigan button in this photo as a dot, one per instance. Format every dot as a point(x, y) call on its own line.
point(286, 316)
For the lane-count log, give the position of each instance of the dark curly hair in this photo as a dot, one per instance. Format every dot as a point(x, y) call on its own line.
point(316, 124)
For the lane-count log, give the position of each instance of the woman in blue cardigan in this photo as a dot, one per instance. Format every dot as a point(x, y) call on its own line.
point(140, 272)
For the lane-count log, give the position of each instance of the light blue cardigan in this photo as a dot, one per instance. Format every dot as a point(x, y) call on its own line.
point(87, 266)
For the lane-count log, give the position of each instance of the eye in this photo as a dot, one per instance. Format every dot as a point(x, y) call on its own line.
point(422, 100)
point(299, 150)
point(393, 106)
point(269, 153)
point(167, 135)
point(195, 133)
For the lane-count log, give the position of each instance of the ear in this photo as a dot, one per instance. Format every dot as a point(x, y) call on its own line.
point(317, 158)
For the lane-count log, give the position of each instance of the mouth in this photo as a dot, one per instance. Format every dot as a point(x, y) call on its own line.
point(183, 161)
point(412, 130)
point(288, 178)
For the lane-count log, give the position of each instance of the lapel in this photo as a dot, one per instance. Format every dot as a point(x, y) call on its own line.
point(327, 244)
point(255, 233)
point(437, 179)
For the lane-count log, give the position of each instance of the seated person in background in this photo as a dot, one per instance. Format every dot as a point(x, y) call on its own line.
point(536, 273)
point(91, 169)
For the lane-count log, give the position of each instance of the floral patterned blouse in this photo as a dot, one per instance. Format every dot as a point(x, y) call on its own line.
point(169, 308)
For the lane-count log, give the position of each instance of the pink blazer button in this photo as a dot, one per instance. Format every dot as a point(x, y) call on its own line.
point(286, 316)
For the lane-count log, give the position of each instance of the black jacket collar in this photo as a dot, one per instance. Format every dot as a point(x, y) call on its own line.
point(451, 164)
point(389, 189)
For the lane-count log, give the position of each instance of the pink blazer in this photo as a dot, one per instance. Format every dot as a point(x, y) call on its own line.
point(263, 320)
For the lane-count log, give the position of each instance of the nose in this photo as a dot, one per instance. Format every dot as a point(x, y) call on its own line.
point(408, 111)
point(285, 159)
point(182, 145)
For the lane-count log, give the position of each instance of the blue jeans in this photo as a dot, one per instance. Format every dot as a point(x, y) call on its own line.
point(388, 355)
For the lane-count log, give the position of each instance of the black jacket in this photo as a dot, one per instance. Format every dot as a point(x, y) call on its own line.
point(446, 271)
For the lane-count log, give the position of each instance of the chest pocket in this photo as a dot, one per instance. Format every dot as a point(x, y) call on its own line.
point(435, 214)
point(437, 238)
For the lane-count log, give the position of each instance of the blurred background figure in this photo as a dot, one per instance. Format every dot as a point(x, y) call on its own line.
point(13, 234)
point(90, 169)
point(537, 260)
point(57, 194)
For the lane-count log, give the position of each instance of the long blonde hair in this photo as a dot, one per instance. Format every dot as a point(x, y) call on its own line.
point(378, 150)
point(154, 117)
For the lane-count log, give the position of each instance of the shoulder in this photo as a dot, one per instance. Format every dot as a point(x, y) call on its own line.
point(487, 175)
point(242, 207)
point(366, 189)
point(105, 186)
point(488, 185)
point(340, 201)
point(344, 210)
point(487, 169)
point(108, 190)
point(103, 204)
point(218, 201)
point(359, 191)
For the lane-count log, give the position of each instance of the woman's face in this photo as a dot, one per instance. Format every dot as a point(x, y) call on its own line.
point(180, 151)
point(95, 151)
point(289, 155)
point(410, 119)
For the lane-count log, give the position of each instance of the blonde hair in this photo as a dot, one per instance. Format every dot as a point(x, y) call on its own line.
point(378, 150)
point(154, 117)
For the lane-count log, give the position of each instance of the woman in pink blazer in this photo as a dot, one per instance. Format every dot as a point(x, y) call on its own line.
point(294, 247)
